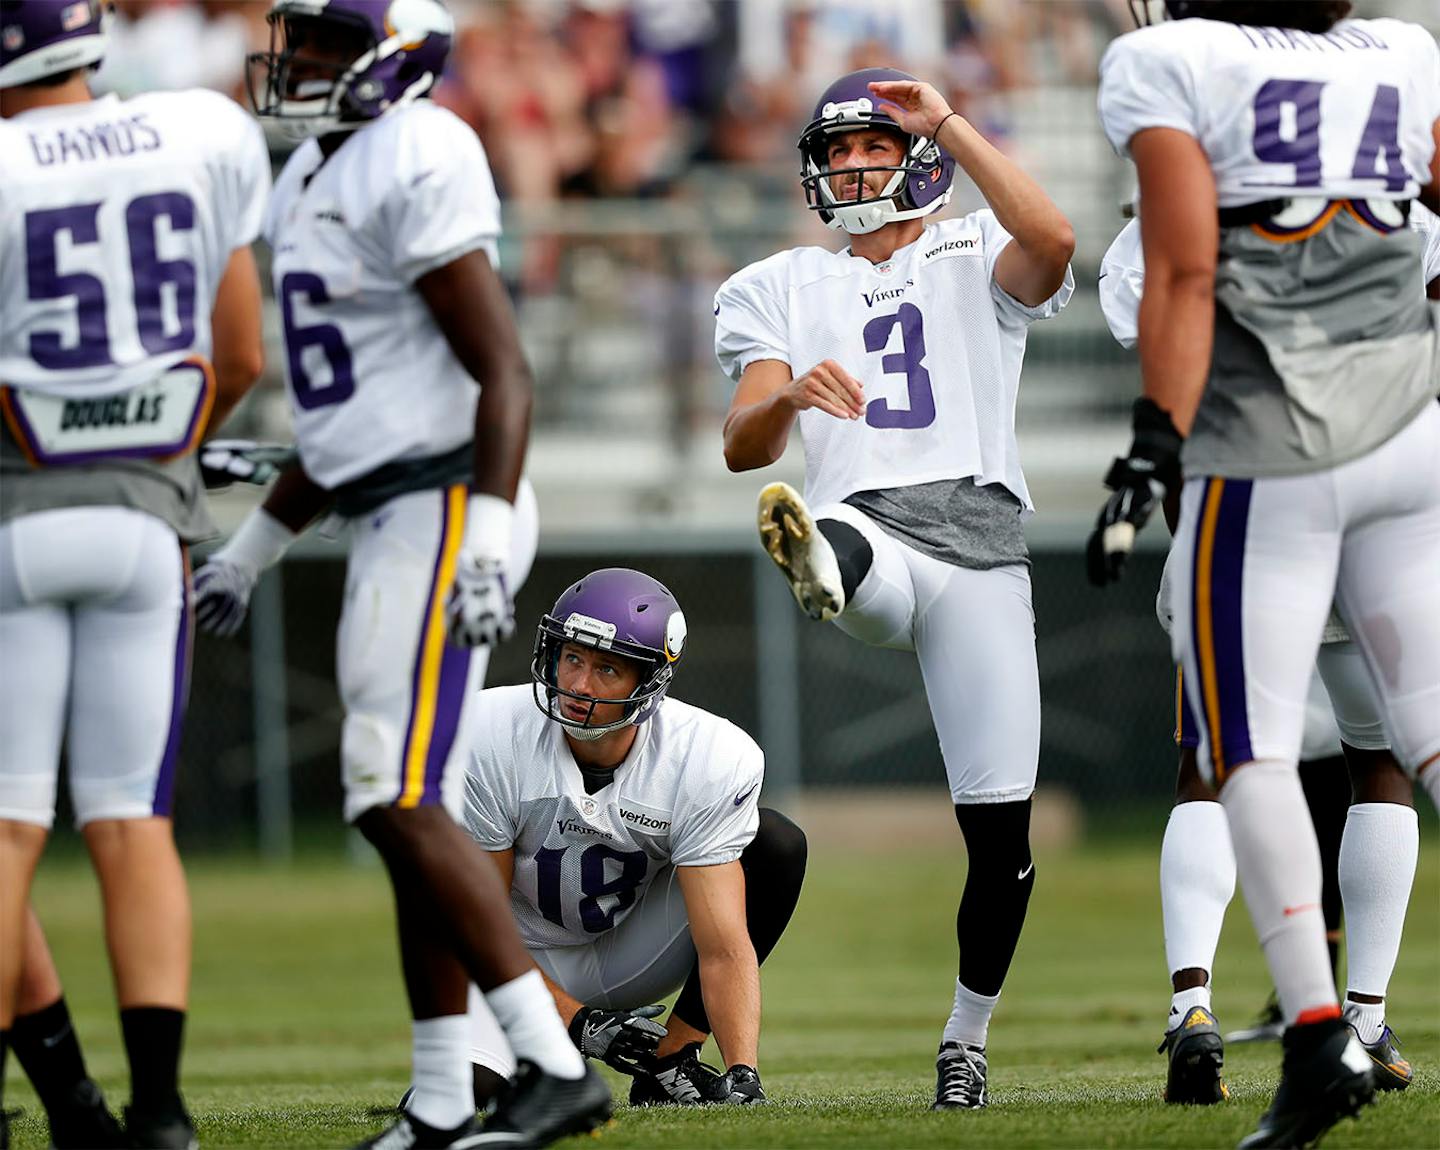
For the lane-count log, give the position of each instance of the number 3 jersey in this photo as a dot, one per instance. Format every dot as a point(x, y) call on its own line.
point(935, 342)
point(687, 794)
point(117, 221)
point(1324, 347)
point(372, 379)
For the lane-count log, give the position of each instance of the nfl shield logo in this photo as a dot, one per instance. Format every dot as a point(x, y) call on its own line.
point(587, 807)
point(13, 38)
point(75, 16)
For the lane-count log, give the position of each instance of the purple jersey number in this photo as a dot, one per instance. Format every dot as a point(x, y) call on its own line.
point(1287, 131)
point(909, 361)
point(326, 336)
point(148, 272)
point(594, 883)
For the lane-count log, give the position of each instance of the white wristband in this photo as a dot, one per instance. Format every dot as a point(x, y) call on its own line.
point(488, 528)
point(260, 540)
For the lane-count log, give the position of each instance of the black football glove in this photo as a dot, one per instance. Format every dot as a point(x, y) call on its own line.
point(621, 1039)
point(1140, 482)
point(742, 1085)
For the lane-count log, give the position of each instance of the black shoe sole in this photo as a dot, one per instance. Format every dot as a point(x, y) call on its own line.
point(1194, 1077)
point(1343, 1099)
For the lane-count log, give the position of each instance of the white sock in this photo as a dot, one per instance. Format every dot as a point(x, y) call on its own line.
point(1378, 853)
point(1368, 1019)
point(1430, 781)
point(526, 1012)
point(1197, 882)
point(440, 1067)
point(1183, 1001)
point(969, 1020)
point(1278, 861)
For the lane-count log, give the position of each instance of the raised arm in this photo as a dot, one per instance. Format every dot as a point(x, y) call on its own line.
point(1032, 267)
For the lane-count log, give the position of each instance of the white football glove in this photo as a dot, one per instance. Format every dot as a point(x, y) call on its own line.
point(479, 611)
point(227, 461)
point(224, 584)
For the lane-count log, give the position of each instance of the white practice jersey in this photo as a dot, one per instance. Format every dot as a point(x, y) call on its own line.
point(372, 379)
point(936, 343)
point(1347, 114)
point(1122, 272)
point(1427, 223)
point(687, 795)
point(117, 220)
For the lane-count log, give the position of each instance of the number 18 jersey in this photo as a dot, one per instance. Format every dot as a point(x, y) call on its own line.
point(935, 342)
point(372, 379)
point(687, 795)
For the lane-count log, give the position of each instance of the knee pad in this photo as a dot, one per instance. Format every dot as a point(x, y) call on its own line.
point(997, 838)
point(852, 553)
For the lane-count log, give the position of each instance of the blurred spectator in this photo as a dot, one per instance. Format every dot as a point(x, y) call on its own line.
point(167, 44)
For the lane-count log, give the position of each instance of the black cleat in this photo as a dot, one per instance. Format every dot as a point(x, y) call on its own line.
point(960, 1072)
point(1324, 1077)
point(539, 1108)
point(409, 1133)
point(82, 1121)
point(167, 1128)
point(1197, 1055)
point(1268, 1026)
point(678, 1079)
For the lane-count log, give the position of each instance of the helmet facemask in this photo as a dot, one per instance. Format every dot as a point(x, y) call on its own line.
point(550, 639)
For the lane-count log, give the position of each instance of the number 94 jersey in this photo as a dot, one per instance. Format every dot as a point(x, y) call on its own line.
point(936, 343)
point(687, 795)
point(1348, 114)
point(371, 377)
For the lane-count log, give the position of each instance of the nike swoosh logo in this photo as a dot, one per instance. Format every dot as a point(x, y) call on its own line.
point(1291, 910)
point(717, 309)
point(1024, 874)
point(51, 1040)
point(741, 798)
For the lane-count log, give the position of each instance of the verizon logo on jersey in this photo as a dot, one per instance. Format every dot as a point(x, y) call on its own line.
point(648, 823)
point(961, 246)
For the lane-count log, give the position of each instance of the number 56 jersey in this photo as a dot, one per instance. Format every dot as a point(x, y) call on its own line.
point(687, 795)
point(372, 378)
point(936, 343)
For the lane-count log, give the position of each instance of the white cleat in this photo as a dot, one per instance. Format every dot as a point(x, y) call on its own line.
point(801, 552)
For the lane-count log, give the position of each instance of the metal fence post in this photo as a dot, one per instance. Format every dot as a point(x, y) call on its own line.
point(272, 741)
point(777, 678)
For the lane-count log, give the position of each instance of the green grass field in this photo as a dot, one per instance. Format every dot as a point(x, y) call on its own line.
point(298, 1031)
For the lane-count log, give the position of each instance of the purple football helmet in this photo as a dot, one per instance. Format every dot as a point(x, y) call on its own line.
point(922, 183)
point(615, 609)
point(40, 38)
point(334, 65)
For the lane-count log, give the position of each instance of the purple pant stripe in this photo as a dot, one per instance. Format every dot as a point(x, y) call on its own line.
point(449, 702)
point(1227, 600)
point(164, 802)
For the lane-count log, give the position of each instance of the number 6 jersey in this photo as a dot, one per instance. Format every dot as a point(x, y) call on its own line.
point(935, 342)
point(687, 794)
point(372, 379)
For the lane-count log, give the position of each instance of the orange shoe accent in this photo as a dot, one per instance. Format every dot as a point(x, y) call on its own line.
point(1317, 1014)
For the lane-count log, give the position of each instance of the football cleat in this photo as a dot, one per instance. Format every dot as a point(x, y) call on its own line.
point(538, 1109)
point(1268, 1026)
point(409, 1133)
point(794, 542)
point(82, 1121)
point(1391, 1070)
point(1197, 1055)
point(168, 1128)
point(960, 1077)
point(678, 1079)
point(1324, 1077)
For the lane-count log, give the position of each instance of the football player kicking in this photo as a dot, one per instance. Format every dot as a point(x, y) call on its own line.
point(899, 359)
point(1368, 848)
point(1284, 342)
point(411, 401)
point(639, 860)
point(129, 324)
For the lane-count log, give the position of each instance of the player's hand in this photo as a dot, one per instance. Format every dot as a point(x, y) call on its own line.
point(828, 387)
point(913, 104)
point(1140, 482)
point(742, 1086)
point(622, 1039)
point(227, 461)
point(222, 596)
point(479, 611)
